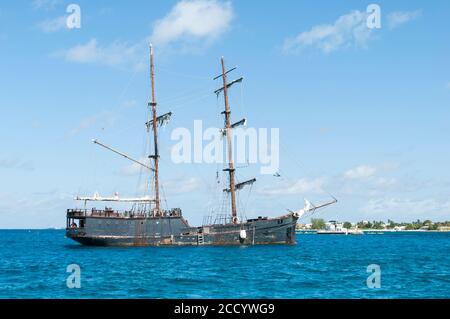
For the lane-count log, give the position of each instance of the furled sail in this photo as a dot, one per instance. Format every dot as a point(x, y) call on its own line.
point(160, 120)
point(242, 185)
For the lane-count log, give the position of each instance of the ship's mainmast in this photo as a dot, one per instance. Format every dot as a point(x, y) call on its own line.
point(228, 132)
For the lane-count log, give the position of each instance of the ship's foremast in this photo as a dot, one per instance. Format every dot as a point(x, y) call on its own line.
point(231, 169)
point(228, 131)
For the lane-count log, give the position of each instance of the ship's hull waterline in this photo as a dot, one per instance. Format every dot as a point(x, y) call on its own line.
point(175, 231)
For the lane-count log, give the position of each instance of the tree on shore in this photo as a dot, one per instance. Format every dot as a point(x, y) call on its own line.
point(391, 224)
point(415, 225)
point(347, 225)
point(318, 223)
point(377, 225)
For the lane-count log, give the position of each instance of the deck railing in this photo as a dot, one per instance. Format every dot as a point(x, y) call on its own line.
point(80, 213)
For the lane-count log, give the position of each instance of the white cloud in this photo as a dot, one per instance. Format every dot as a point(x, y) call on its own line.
point(407, 207)
point(192, 21)
point(45, 4)
point(297, 187)
point(347, 31)
point(182, 186)
point(397, 18)
point(85, 124)
point(385, 182)
point(360, 172)
point(82, 53)
point(364, 181)
point(53, 25)
point(118, 54)
point(17, 163)
point(191, 24)
point(169, 187)
point(33, 210)
point(136, 169)
point(130, 103)
point(101, 120)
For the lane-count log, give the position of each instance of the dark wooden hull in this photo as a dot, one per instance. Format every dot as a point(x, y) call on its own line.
point(175, 231)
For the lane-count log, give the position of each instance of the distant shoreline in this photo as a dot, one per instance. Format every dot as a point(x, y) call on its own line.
point(381, 231)
point(298, 230)
point(405, 231)
point(50, 228)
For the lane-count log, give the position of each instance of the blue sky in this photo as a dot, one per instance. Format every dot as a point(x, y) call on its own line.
point(363, 114)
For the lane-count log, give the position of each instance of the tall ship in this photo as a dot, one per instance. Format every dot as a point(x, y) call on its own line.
point(146, 223)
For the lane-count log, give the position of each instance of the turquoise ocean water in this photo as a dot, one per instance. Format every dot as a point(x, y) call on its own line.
point(413, 265)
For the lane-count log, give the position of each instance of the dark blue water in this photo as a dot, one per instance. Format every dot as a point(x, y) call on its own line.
point(33, 265)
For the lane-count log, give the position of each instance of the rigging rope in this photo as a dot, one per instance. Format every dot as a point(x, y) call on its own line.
point(164, 197)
